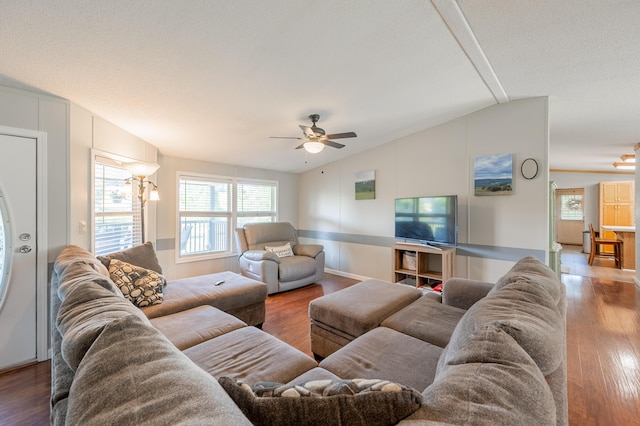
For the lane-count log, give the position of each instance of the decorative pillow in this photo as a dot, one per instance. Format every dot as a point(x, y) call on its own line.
point(143, 287)
point(322, 402)
point(142, 255)
point(281, 251)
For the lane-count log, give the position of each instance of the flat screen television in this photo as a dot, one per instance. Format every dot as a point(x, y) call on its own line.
point(427, 220)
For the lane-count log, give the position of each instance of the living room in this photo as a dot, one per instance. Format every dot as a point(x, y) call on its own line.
point(432, 156)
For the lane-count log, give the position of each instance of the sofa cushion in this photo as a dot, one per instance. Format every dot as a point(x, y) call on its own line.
point(133, 375)
point(250, 355)
point(386, 354)
point(366, 402)
point(84, 313)
point(483, 383)
point(196, 325)
point(186, 293)
point(140, 286)
point(142, 255)
point(280, 251)
point(426, 319)
point(536, 273)
point(527, 313)
point(296, 267)
point(72, 255)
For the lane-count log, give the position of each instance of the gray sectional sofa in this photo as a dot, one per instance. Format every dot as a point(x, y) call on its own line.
point(503, 363)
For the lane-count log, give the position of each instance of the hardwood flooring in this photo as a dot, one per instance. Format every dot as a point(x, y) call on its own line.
point(603, 345)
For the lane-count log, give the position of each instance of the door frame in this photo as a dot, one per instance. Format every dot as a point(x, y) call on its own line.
point(42, 294)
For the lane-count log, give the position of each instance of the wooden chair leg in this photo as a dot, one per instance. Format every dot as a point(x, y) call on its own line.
point(592, 256)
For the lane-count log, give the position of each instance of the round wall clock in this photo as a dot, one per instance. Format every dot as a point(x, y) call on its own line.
point(529, 168)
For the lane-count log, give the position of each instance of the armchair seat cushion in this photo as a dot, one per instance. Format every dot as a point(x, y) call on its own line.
point(296, 267)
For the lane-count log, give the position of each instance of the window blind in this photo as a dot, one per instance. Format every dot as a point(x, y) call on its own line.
point(117, 211)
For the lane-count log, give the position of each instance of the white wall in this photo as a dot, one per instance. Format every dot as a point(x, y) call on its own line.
point(88, 132)
point(167, 210)
point(436, 161)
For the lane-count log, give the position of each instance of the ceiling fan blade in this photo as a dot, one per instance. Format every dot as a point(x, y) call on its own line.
point(285, 137)
point(333, 144)
point(300, 146)
point(307, 131)
point(343, 135)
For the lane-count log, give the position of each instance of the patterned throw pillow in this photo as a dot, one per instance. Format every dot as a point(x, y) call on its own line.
point(142, 287)
point(281, 251)
point(367, 402)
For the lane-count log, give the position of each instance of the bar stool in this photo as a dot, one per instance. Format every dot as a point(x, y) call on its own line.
point(596, 251)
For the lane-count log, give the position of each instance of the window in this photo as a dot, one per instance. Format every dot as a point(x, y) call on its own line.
point(117, 223)
point(205, 215)
point(208, 214)
point(256, 202)
point(571, 207)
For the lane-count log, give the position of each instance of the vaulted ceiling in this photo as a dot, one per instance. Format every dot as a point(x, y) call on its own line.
point(214, 79)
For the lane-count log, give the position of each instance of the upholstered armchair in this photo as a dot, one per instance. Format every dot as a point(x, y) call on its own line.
point(270, 252)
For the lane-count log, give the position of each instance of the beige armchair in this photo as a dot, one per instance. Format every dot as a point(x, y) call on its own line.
point(265, 256)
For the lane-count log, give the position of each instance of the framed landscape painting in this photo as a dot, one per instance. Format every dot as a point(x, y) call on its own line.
point(366, 185)
point(493, 175)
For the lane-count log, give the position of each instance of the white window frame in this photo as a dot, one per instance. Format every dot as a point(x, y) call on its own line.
point(117, 159)
point(233, 215)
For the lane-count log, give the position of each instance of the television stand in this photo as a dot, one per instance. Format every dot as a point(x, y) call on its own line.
point(432, 265)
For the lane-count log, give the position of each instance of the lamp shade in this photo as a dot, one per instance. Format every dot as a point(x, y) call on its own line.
point(313, 147)
point(153, 195)
point(140, 168)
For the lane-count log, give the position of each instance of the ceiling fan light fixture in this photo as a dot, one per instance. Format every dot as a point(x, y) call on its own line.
point(313, 147)
point(628, 158)
point(624, 166)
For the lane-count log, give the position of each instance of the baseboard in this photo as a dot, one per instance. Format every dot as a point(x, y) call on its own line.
point(346, 274)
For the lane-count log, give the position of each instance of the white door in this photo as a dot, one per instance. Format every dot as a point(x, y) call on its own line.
point(570, 216)
point(18, 170)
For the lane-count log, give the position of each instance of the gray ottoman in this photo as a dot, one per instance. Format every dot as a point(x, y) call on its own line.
point(340, 317)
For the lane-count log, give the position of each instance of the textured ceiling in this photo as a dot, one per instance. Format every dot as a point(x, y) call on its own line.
point(212, 80)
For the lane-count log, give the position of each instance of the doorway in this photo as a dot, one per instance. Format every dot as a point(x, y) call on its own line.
point(23, 278)
point(569, 216)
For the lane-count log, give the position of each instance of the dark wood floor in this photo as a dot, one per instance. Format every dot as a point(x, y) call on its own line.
point(603, 346)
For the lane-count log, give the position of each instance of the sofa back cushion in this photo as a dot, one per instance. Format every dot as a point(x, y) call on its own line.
point(87, 308)
point(259, 235)
point(485, 383)
point(142, 255)
point(132, 374)
point(528, 315)
point(534, 272)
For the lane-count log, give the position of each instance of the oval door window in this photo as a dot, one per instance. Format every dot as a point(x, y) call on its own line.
point(5, 250)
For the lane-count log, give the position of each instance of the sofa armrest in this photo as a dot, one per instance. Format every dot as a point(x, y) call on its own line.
point(311, 250)
point(258, 255)
point(463, 293)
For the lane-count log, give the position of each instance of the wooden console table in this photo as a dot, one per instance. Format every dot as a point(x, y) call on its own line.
point(431, 264)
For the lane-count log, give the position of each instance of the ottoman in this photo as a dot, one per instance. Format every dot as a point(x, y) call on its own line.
point(340, 317)
point(239, 296)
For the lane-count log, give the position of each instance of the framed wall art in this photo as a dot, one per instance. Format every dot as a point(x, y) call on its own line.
point(366, 185)
point(493, 175)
